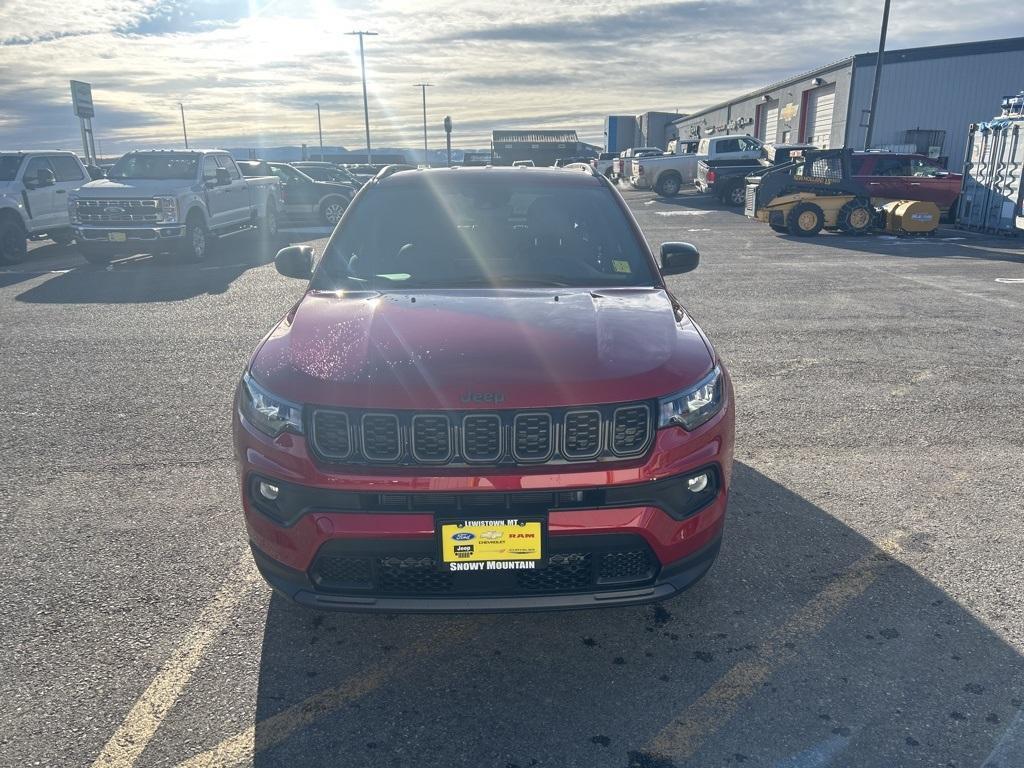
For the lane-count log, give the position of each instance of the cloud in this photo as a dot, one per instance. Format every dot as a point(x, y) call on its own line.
point(250, 71)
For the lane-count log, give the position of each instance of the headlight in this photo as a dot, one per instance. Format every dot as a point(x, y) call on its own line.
point(73, 209)
point(694, 406)
point(168, 207)
point(269, 413)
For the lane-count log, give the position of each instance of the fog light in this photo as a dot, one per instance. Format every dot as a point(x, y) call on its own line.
point(269, 491)
point(698, 483)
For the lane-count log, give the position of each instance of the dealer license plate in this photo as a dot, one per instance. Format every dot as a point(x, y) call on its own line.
point(491, 545)
point(117, 237)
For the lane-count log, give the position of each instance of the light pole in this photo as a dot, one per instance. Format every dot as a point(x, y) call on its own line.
point(320, 130)
point(423, 87)
point(869, 134)
point(183, 130)
point(366, 103)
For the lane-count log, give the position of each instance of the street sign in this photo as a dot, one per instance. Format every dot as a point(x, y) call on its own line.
point(447, 125)
point(81, 98)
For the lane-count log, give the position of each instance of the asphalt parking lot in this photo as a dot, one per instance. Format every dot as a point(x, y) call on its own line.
point(867, 608)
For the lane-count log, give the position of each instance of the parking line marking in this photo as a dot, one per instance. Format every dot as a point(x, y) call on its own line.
point(240, 748)
point(680, 740)
point(145, 717)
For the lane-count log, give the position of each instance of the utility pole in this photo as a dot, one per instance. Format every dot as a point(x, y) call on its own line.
point(878, 77)
point(320, 130)
point(423, 87)
point(183, 130)
point(448, 137)
point(366, 103)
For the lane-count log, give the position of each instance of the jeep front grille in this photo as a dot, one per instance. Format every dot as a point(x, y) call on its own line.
point(596, 433)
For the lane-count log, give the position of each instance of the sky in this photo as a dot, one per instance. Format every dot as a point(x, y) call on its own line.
point(249, 72)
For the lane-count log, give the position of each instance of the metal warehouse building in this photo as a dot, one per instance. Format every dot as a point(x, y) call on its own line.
point(542, 147)
point(928, 98)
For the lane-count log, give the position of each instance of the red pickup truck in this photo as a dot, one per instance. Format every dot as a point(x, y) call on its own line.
point(488, 398)
point(897, 176)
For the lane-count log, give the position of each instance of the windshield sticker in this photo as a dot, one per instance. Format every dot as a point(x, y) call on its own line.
point(621, 266)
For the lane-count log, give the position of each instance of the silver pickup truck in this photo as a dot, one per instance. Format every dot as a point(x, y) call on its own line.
point(168, 200)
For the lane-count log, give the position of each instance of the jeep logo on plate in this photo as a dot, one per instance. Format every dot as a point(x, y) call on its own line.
point(483, 397)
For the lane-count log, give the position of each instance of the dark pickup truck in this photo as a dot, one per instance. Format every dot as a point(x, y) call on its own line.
point(726, 178)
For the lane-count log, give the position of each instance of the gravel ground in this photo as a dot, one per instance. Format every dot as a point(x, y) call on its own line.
point(867, 608)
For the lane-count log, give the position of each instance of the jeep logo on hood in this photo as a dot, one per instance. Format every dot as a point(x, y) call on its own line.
point(483, 397)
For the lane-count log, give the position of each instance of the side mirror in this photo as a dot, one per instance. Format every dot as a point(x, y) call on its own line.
point(678, 258)
point(295, 261)
point(223, 177)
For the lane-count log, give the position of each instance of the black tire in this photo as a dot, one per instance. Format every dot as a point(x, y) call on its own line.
point(332, 209)
point(13, 243)
point(805, 220)
point(195, 246)
point(780, 229)
point(269, 225)
point(63, 239)
point(735, 195)
point(950, 215)
point(95, 254)
point(669, 185)
point(857, 217)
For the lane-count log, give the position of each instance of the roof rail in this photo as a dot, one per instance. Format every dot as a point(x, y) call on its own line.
point(388, 170)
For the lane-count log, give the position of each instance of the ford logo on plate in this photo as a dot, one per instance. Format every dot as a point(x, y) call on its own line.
point(463, 536)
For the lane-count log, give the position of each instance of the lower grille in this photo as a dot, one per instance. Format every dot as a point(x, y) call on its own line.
point(410, 568)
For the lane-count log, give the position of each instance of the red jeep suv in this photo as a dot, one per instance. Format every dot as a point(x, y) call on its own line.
point(487, 399)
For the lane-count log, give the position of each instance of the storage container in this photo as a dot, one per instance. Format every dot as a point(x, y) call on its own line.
point(991, 193)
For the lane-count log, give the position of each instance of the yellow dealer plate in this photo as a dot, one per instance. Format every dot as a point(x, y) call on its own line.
point(117, 237)
point(491, 545)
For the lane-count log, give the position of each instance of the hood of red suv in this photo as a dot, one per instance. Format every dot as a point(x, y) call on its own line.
point(488, 349)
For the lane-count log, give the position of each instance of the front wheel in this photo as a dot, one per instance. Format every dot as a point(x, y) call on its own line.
point(332, 210)
point(856, 217)
point(13, 245)
point(194, 245)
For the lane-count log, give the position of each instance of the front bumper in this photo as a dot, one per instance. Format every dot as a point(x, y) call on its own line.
point(672, 580)
point(132, 234)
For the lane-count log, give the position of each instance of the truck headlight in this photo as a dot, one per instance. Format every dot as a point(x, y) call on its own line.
point(73, 209)
point(694, 406)
point(168, 208)
point(268, 412)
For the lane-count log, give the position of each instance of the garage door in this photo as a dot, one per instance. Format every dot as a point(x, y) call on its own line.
point(820, 106)
point(770, 123)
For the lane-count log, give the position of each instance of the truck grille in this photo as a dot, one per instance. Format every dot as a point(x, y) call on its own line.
point(117, 211)
point(506, 437)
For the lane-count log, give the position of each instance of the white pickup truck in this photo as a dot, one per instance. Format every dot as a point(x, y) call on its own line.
point(169, 200)
point(34, 189)
point(667, 174)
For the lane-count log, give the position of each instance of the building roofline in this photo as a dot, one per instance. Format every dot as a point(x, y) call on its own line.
point(973, 48)
point(768, 88)
point(868, 59)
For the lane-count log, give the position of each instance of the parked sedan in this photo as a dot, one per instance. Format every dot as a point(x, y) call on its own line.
point(898, 176)
point(305, 198)
point(329, 172)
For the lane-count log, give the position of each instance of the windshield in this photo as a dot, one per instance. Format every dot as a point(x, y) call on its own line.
point(162, 166)
point(450, 233)
point(9, 167)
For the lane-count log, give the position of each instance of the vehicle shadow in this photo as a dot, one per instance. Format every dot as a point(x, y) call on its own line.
point(163, 277)
point(947, 243)
point(698, 201)
point(777, 652)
